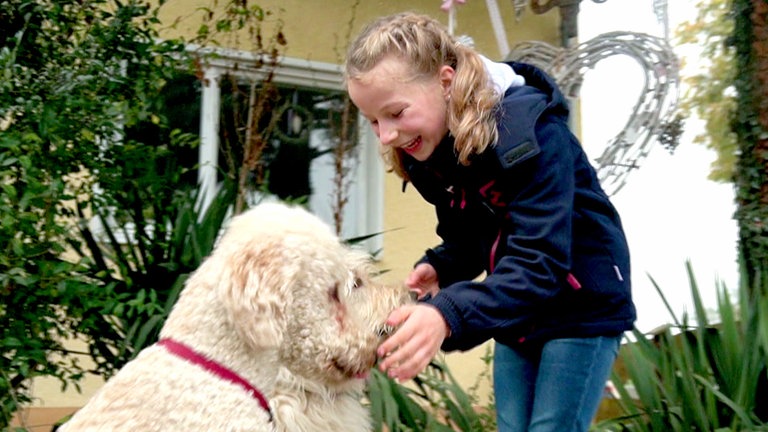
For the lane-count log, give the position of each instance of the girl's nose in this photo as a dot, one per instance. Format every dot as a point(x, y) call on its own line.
point(387, 134)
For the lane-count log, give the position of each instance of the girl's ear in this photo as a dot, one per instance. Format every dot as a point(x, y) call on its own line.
point(446, 78)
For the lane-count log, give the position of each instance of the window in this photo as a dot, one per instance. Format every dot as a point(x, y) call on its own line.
point(298, 150)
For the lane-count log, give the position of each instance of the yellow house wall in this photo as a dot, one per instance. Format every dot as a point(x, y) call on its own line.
point(317, 30)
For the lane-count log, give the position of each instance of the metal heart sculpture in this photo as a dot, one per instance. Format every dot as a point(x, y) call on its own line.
point(651, 118)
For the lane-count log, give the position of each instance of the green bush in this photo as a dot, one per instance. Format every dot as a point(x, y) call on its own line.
point(85, 136)
point(74, 76)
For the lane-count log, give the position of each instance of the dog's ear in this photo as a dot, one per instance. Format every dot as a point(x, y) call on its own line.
point(256, 293)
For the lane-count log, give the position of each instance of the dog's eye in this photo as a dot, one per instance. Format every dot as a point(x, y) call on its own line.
point(358, 283)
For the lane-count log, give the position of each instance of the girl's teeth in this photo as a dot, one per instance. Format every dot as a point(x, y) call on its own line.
point(412, 144)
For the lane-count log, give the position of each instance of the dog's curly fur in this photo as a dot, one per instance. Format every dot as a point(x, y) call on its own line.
point(282, 303)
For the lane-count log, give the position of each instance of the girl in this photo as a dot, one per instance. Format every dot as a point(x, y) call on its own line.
point(488, 145)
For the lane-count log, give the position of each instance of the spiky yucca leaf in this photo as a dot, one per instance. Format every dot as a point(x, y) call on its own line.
point(700, 376)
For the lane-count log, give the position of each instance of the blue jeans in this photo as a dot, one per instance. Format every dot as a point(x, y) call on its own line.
point(553, 387)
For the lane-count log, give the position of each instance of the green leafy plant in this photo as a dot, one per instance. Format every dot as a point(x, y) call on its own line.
point(143, 274)
point(74, 76)
point(85, 136)
point(749, 122)
point(709, 375)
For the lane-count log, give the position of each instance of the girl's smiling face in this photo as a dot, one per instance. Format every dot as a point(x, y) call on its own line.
point(406, 113)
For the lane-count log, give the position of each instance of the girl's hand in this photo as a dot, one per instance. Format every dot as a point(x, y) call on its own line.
point(423, 280)
point(409, 350)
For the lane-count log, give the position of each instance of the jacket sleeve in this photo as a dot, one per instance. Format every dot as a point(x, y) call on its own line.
point(537, 240)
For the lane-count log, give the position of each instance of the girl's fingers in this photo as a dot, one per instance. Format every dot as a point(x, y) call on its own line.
point(409, 350)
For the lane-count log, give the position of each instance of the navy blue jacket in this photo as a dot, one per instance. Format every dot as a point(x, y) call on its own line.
point(529, 212)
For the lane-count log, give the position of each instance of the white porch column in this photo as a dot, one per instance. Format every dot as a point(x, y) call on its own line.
point(210, 109)
point(498, 27)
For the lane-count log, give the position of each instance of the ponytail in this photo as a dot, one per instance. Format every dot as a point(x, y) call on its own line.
point(472, 106)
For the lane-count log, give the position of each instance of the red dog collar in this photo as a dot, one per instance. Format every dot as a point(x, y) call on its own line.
point(187, 353)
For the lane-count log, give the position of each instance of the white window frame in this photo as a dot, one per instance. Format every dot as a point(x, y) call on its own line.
point(364, 210)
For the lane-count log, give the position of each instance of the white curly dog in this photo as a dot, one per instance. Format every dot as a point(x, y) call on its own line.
point(276, 331)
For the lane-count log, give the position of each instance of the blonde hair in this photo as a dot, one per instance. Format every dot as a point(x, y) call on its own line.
point(427, 46)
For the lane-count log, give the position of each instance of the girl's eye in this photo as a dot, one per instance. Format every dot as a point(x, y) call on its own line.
point(398, 114)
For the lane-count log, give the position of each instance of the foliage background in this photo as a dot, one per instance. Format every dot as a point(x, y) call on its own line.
point(64, 99)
